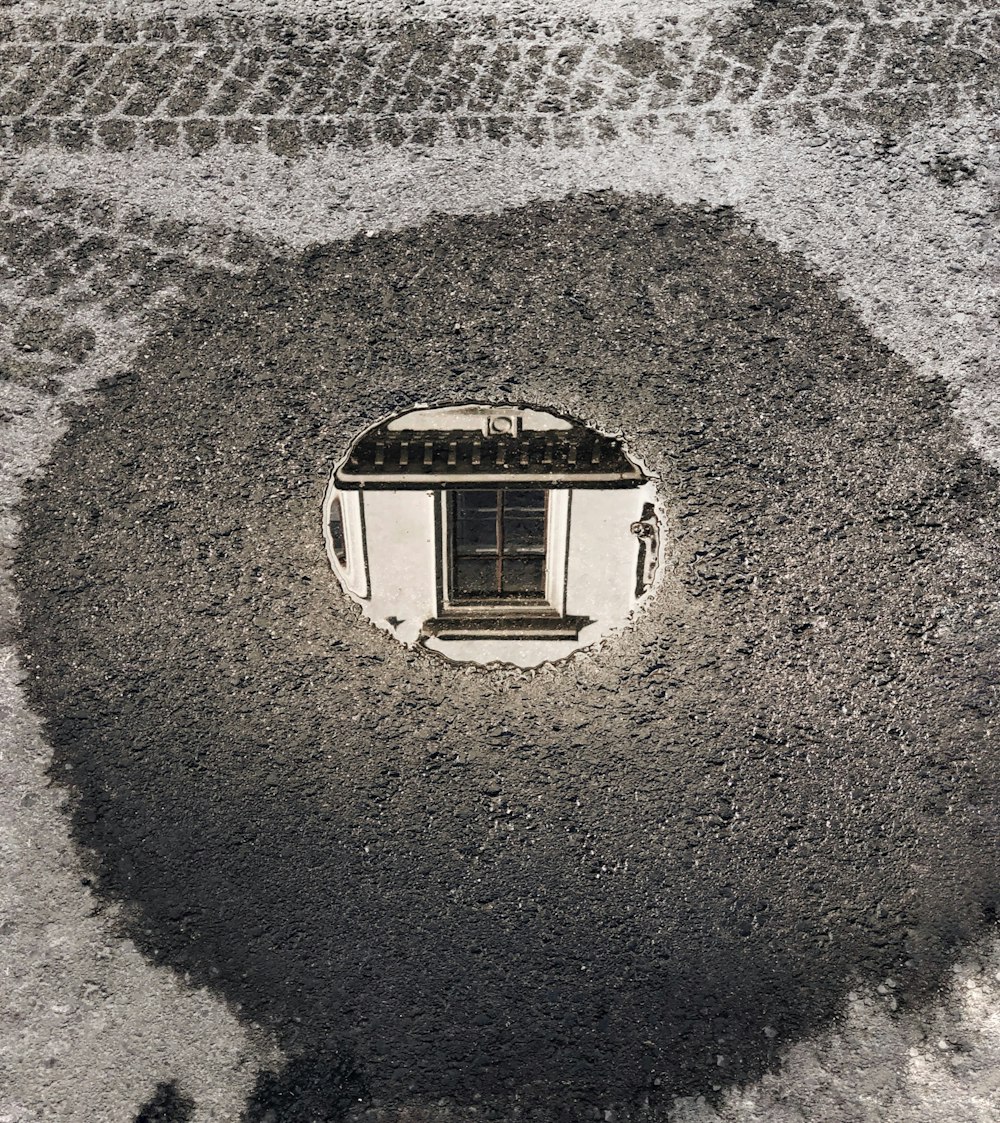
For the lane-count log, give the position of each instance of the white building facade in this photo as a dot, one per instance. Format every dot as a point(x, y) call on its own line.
point(492, 534)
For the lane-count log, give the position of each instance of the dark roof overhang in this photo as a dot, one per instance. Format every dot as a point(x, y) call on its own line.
point(419, 458)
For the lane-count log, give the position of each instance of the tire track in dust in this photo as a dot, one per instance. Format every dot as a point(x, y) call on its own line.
point(82, 279)
point(191, 84)
point(68, 258)
point(87, 1020)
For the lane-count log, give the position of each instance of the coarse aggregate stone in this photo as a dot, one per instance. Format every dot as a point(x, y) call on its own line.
point(860, 136)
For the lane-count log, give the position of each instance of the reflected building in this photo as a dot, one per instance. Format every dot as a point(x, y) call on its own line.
point(492, 533)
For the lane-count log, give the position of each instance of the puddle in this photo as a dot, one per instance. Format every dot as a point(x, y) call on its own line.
point(493, 533)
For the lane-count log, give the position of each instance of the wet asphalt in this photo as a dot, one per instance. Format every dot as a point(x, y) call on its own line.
point(636, 874)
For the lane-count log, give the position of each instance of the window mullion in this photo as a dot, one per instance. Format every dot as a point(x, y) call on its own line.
point(500, 541)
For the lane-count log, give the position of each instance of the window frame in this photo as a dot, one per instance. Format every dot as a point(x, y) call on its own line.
point(557, 527)
point(500, 557)
point(354, 575)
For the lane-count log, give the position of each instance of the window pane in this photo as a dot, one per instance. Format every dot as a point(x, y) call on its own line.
point(523, 534)
point(475, 523)
point(524, 576)
point(475, 577)
point(477, 536)
point(517, 499)
point(523, 522)
point(476, 501)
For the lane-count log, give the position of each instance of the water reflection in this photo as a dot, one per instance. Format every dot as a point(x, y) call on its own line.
point(492, 533)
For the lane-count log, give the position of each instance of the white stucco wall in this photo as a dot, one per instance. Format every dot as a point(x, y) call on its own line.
point(603, 554)
point(600, 560)
point(399, 528)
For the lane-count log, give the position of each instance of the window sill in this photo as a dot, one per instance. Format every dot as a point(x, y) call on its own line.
point(508, 627)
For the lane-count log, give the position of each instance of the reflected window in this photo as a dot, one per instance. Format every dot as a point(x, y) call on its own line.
point(337, 538)
point(498, 545)
point(492, 533)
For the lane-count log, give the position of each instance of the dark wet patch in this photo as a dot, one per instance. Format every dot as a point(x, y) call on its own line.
point(573, 889)
point(308, 1090)
point(167, 1105)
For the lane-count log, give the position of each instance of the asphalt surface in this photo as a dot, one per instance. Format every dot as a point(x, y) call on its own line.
point(189, 77)
point(582, 890)
point(262, 188)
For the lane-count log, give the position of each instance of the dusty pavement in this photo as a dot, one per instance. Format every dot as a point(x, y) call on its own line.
point(739, 864)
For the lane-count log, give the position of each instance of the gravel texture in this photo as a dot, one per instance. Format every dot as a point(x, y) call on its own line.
point(806, 348)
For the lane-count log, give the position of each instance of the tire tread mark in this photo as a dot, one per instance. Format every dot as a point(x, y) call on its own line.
point(74, 269)
point(168, 66)
point(183, 83)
